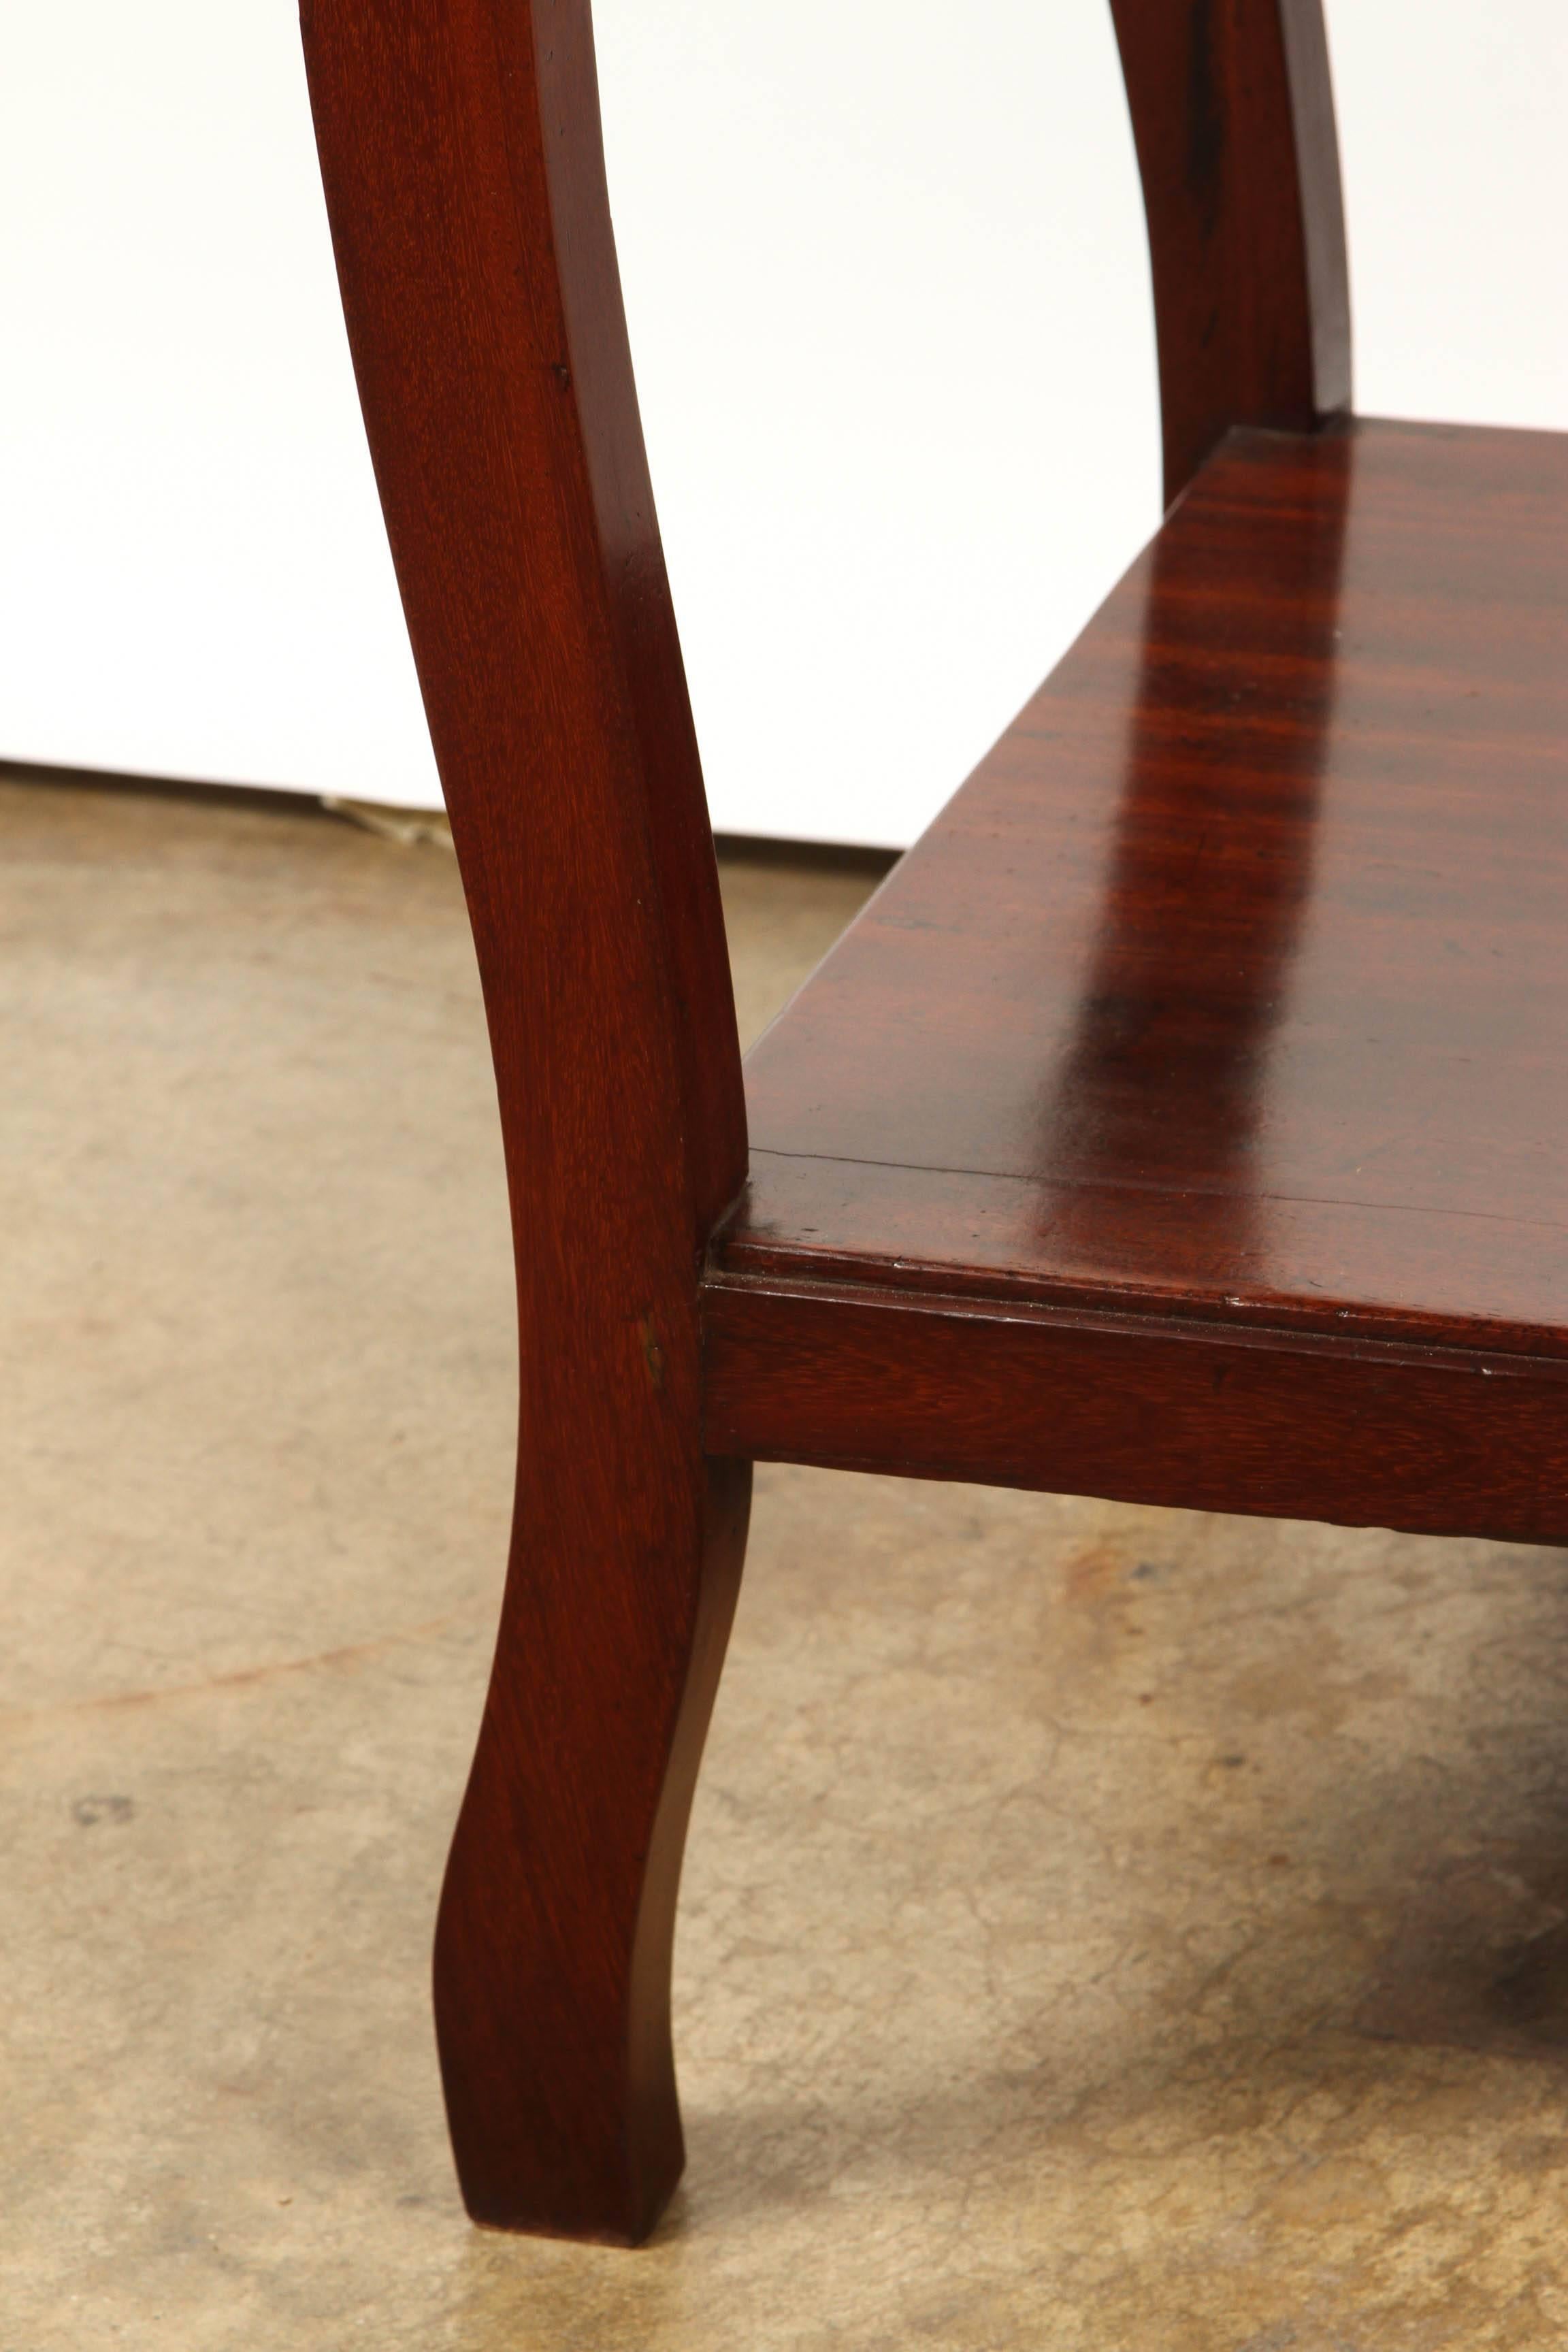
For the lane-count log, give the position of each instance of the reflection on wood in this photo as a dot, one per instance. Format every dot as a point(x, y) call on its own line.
point(1163, 1082)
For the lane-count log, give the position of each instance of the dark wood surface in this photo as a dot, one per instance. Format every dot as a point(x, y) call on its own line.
point(1186, 1118)
point(1233, 116)
point(460, 154)
point(1140, 1408)
point(1233, 987)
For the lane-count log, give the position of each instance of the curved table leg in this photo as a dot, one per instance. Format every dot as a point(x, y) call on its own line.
point(553, 1945)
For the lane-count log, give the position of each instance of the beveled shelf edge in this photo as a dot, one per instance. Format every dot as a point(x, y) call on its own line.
point(1076, 1314)
point(737, 1252)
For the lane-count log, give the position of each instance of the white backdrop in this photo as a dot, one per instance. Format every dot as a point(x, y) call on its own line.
point(888, 299)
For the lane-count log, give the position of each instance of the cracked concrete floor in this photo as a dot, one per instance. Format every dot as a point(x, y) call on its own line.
point(1104, 1927)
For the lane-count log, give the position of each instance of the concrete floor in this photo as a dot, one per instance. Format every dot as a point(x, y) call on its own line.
point(1104, 1928)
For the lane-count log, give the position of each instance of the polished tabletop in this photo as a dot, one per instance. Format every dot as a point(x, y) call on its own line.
point(1234, 982)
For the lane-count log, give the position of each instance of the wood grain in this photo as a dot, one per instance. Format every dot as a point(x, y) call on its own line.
point(1235, 983)
point(1140, 1408)
point(460, 154)
point(1233, 117)
point(1185, 1120)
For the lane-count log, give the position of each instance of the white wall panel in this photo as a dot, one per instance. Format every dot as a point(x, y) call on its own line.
point(885, 279)
point(193, 579)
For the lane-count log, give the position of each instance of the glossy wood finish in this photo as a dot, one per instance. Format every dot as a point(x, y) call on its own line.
point(1140, 1408)
point(1233, 116)
point(465, 184)
point(1186, 1118)
point(1232, 990)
